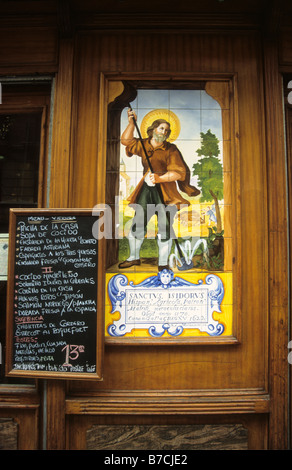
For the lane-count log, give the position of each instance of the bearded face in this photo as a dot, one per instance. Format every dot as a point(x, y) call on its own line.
point(159, 137)
point(161, 132)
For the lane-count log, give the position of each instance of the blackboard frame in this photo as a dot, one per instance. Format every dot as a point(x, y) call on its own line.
point(10, 371)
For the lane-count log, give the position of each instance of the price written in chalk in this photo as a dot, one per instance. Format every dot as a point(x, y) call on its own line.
point(72, 353)
point(55, 295)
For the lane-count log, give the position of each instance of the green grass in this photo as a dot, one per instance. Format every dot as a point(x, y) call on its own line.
point(148, 250)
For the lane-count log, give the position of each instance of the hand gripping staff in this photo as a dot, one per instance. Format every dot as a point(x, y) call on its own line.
point(184, 264)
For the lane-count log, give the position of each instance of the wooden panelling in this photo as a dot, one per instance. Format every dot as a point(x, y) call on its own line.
point(8, 434)
point(19, 426)
point(186, 437)
point(29, 48)
point(62, 131)
point(252, 427)
point(183, 402)
point(239, 384)
point(277, 248)
point(55, 414)
point(289, 177)
point(285, 46)
point(241, 366)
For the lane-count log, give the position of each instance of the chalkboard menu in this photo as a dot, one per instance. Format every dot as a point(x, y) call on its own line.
point(55, 322)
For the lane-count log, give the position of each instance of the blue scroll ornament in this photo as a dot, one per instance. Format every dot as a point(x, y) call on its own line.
point(166, 280)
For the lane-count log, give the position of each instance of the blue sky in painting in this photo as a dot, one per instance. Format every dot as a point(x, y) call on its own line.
point(184, 99)
point(196, 110)
point(174, 99)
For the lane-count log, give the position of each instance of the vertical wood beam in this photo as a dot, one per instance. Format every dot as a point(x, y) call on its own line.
point(55, 415)
point(278, 246)
point(289, 176)
point(54, 409)
point(61, 133)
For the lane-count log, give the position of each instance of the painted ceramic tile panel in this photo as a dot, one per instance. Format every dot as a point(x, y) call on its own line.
point(171, 284)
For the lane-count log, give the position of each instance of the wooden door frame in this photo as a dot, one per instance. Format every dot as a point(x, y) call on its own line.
point(278, 276)
point(288, 119)
point(20, 402)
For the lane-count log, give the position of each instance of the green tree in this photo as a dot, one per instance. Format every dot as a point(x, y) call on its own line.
point(210, 173)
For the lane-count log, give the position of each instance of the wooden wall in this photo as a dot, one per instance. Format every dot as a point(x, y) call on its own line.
point(194, 380)
point(241, 384)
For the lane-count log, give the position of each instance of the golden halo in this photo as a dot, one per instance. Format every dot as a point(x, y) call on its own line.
point(166, 114)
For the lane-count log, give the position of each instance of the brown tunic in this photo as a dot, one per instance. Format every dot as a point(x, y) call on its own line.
point(164, 158)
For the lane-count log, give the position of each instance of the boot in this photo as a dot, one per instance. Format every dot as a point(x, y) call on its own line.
point(134, 258)
point(164, 248)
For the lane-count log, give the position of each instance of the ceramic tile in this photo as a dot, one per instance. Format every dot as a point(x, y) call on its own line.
point(211, 120)
point(207, 102)
point(153, 99)
point(191, 113)
point(185, 99)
